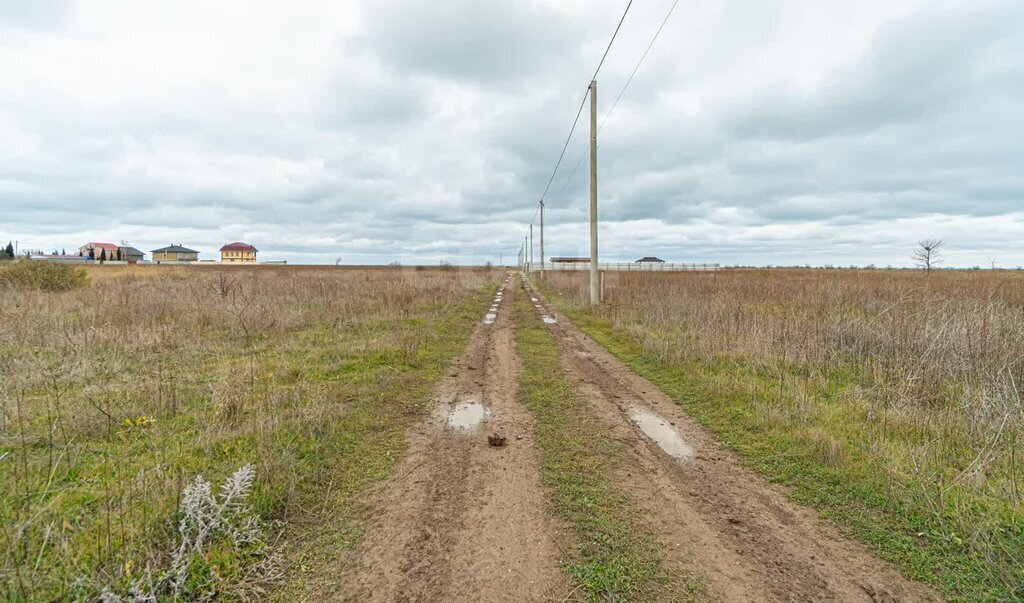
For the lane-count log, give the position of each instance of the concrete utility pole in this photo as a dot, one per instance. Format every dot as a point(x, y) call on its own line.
point(542, 239)
point(595, 290)
point(526, 257)
point(531, 246)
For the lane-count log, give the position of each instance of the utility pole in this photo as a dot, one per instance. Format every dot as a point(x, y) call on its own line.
point(526, 241)
point(595, 292)
point(531, 245)
point(542, 239)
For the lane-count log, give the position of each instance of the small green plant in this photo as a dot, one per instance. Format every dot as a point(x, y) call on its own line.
point(45, 276)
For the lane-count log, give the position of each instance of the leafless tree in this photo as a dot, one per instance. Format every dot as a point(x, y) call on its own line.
point(928, 254)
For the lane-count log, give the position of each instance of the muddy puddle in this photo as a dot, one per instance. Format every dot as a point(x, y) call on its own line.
point(662, 433)
point(467, 415)
point(550, 320)
point(489, 318)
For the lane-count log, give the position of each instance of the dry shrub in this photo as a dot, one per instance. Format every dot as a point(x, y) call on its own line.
point(41, 275)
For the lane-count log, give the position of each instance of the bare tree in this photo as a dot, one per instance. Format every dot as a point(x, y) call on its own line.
point(928, 254)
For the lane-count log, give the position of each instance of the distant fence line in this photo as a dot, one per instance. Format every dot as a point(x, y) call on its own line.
point(631, 267)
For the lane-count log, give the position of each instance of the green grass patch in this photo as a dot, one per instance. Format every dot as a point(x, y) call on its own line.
point(617, 558)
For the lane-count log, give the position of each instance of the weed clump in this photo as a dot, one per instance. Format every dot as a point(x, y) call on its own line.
point(205, 517)
point(44, 276)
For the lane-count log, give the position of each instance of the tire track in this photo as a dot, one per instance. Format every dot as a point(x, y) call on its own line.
point(464, 520)
point(713, 515)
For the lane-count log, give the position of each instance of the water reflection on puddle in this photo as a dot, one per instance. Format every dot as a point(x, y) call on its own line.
point(489, 318)
point(663, 434)
point(467, 415)
point(549, 319)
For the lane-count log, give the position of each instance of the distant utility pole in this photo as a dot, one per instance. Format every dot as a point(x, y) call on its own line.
point(542, 239)
point(595, 291)
point(531, 246)
point(526, 241)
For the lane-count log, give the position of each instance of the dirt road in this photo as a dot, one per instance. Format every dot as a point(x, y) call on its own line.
point(466, 521)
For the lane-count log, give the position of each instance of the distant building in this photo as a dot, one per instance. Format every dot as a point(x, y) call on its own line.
point(97, 250)
point(650, 260)
point(570, 260)
point(60, 258)
point(130, 254)
point(238, 253)
point(175, 254)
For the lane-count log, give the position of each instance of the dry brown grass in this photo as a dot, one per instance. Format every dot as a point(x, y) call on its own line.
point(905, 389)
point(116, 394)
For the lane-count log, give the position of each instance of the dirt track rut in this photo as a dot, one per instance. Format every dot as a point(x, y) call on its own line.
point(715, 518)
point(464, 521)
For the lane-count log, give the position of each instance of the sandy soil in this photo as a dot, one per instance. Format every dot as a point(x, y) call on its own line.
point(717, 519)
point(463, 520)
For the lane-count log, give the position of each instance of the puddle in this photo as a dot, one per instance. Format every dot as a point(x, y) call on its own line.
point(549, 319)
point(663, 434)
point(489, 318)
point(467, 415)
point(534, 299)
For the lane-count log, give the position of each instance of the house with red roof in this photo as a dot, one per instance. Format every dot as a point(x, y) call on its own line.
point(238, 253)
point(98, 251)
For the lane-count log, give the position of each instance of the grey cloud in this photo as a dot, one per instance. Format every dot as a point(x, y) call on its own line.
point(432, 129)
point(467, 39)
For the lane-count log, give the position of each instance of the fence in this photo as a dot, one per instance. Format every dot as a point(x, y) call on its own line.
point(632, 267)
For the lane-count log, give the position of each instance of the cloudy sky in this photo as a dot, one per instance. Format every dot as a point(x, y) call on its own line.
point(756, 132)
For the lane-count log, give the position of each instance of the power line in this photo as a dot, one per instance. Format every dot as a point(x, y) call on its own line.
point(638, 63)
point(566, 145)
point(605, 55)
point(619, 97)
point(584, 102)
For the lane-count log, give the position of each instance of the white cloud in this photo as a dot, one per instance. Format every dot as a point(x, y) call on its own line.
point(782, 132)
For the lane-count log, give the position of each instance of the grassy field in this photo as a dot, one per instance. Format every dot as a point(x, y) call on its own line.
point(118, 393)
point(888, 400)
